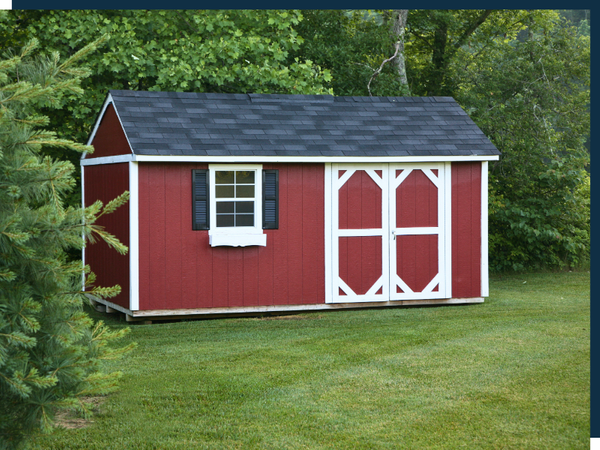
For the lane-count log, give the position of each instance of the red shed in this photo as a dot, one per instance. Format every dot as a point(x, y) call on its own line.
point(255, 203)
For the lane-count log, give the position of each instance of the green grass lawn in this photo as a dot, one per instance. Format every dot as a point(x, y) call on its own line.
point(511, 373)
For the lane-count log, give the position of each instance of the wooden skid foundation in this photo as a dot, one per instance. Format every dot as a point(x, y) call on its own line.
point(212, 313)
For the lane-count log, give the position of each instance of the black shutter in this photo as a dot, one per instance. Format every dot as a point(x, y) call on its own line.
point(270, 199)
point(200, 199)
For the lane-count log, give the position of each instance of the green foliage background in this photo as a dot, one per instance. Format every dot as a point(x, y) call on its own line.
point(522, 75)
point(531, 94)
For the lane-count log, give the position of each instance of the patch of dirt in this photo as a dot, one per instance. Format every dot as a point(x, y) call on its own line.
point(71, 419)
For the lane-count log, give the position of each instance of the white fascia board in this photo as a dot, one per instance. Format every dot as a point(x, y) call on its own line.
point(107, 102)
point(310, 159)
point(280, 159)
point(107, 160)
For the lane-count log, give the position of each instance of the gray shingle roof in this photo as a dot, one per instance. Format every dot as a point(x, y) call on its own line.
point(175, 123)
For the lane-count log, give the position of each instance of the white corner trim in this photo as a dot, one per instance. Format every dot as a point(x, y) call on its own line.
point(134, 238)
point(447, 234)
point(82, 232)
point(485, 276)
point(328, 235)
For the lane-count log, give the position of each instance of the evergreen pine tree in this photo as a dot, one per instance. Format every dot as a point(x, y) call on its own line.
point(51, 351)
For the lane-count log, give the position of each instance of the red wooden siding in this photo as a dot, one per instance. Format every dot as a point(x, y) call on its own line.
point(359, 202)
point(417, 261)
point(466, 229)
point(105, 182)
point(110, 139)
point(416, 201)
point(360, 262)
point(179, 269)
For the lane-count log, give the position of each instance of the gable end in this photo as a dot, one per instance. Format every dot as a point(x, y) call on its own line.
point(109, 139)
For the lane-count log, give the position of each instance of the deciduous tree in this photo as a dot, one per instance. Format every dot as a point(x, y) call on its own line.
point(352, 45)
point(234, 51)
point(531, 97)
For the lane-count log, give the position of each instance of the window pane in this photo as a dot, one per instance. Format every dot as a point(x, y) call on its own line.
point(224, 191)
point(244, 220)
point(244, 177)
point(225, 207)
point(224, 220)
point(222, 177)
point(244, 207)
point(235, 198)
point(244, 191)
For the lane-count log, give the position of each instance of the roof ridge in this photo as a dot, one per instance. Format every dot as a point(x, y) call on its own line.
point(313, 98)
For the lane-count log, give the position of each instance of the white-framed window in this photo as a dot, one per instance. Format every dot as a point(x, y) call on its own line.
point(235, 202)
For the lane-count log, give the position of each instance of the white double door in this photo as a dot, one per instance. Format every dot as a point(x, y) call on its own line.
point(387, 232)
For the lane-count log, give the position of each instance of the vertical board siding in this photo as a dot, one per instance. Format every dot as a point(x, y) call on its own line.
point(466, 229)
point(280, 240)
point(295, 224)
point(417, 260)
point(157, 235)
point(173, 239)
point(104, 183)
point(313, 204)
point(110, 139)
point(360, 262)
point(359, 202)
point(181, 270)
point(416, 202)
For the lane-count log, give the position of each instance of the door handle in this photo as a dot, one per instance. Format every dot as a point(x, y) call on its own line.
point(394, 234)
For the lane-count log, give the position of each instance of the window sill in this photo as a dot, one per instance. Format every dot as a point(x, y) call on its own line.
point(237, 240)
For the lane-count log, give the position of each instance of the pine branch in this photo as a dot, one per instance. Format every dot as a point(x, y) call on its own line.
point(112, 205)
point(29, 47)
point(47, 139)
point(83, 52)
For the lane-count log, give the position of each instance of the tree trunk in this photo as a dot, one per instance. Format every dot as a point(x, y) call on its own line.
point(398, 28)
point(445, 48)
point(438, 59)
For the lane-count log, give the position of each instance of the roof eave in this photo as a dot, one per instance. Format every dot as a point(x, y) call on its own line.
point(287, 159)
